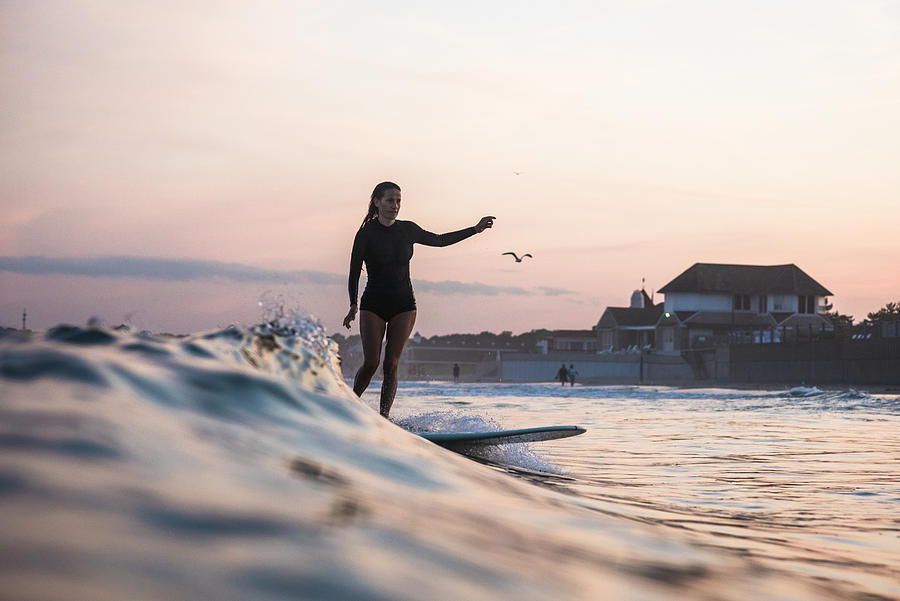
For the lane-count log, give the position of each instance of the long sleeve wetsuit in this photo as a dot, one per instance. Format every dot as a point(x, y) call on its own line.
point(386, 251)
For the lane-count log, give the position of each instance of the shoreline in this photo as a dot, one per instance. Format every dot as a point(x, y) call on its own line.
point(772, 387)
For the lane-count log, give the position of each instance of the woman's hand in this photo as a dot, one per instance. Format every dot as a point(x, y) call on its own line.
point(351, 315)
point(485, 222)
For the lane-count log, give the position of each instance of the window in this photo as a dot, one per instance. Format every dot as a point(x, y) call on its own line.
point(763, 303)
point(806, 304)
point(741, 302)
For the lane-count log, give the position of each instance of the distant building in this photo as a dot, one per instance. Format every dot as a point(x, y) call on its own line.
point(739, 303)
point(569, 341)
point(430, 361)
point(628, 327)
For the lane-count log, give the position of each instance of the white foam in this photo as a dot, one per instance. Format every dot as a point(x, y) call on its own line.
point(510, 455)
point(804, 391)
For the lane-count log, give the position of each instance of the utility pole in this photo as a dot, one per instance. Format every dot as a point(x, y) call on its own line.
point(24, 317)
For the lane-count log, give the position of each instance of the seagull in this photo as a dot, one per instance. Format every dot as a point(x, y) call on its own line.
point(517, 172)
point(517, 258)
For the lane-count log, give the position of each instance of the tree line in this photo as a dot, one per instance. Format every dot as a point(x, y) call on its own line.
point(505, 339)
point(889, 312)
point(528, 340)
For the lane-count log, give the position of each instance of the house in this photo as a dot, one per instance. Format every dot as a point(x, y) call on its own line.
point(634, 326)
point(565, 341)
point(713, 302)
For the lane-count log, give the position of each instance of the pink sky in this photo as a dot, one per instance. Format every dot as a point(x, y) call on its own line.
point(649, 136)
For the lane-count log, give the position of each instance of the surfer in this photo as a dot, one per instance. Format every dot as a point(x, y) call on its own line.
point(388, 305)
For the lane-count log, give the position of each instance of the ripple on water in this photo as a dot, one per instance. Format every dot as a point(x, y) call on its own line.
point(34, 364)
point(78, 448)
point(82, 336)
point(210, 524)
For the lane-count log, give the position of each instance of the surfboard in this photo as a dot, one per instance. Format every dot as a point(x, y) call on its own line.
point(471, 439)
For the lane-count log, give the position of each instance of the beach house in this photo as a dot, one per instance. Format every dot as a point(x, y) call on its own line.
point(634, 326)
point(711, 302)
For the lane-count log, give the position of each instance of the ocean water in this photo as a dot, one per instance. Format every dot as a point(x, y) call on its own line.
point(238, 464)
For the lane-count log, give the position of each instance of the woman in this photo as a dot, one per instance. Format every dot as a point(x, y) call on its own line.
point(388, 304)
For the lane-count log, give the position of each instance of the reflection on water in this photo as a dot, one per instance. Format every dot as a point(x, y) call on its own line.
point(807, 486)
point(238, 465)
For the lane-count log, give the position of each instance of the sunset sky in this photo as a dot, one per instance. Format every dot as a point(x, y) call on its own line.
point(175, 163)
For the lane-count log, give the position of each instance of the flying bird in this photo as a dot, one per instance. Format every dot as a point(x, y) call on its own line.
point(517, 258)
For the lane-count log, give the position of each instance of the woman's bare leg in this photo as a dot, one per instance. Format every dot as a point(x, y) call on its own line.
point(398, 331)
point(371, 331)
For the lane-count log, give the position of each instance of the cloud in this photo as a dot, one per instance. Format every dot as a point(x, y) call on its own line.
point(186, 270)
point(452, 287)
point(550, 291)
point(152, 268)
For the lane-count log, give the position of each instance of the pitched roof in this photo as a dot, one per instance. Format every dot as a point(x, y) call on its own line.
point(628, 316)
point(745, 279)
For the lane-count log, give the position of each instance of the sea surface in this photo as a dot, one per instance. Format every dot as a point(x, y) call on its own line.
point(238, 464)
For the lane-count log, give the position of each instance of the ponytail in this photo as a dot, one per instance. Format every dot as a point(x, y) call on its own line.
point(378, 192)
point(370, 215)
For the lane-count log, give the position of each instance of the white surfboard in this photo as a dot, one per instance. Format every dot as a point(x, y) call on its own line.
point(472, 439)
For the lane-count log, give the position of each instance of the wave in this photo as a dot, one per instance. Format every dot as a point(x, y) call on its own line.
point(238, 464)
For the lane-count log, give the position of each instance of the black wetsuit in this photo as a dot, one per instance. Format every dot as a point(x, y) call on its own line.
point(386, 251)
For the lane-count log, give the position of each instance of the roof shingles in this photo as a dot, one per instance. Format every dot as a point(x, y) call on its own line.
point(630, 316)
point(745, 279)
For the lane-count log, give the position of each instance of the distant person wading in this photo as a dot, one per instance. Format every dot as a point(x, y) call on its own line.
point(388, 305)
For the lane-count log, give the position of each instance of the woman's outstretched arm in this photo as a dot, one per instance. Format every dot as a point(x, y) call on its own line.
point(430, 239)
